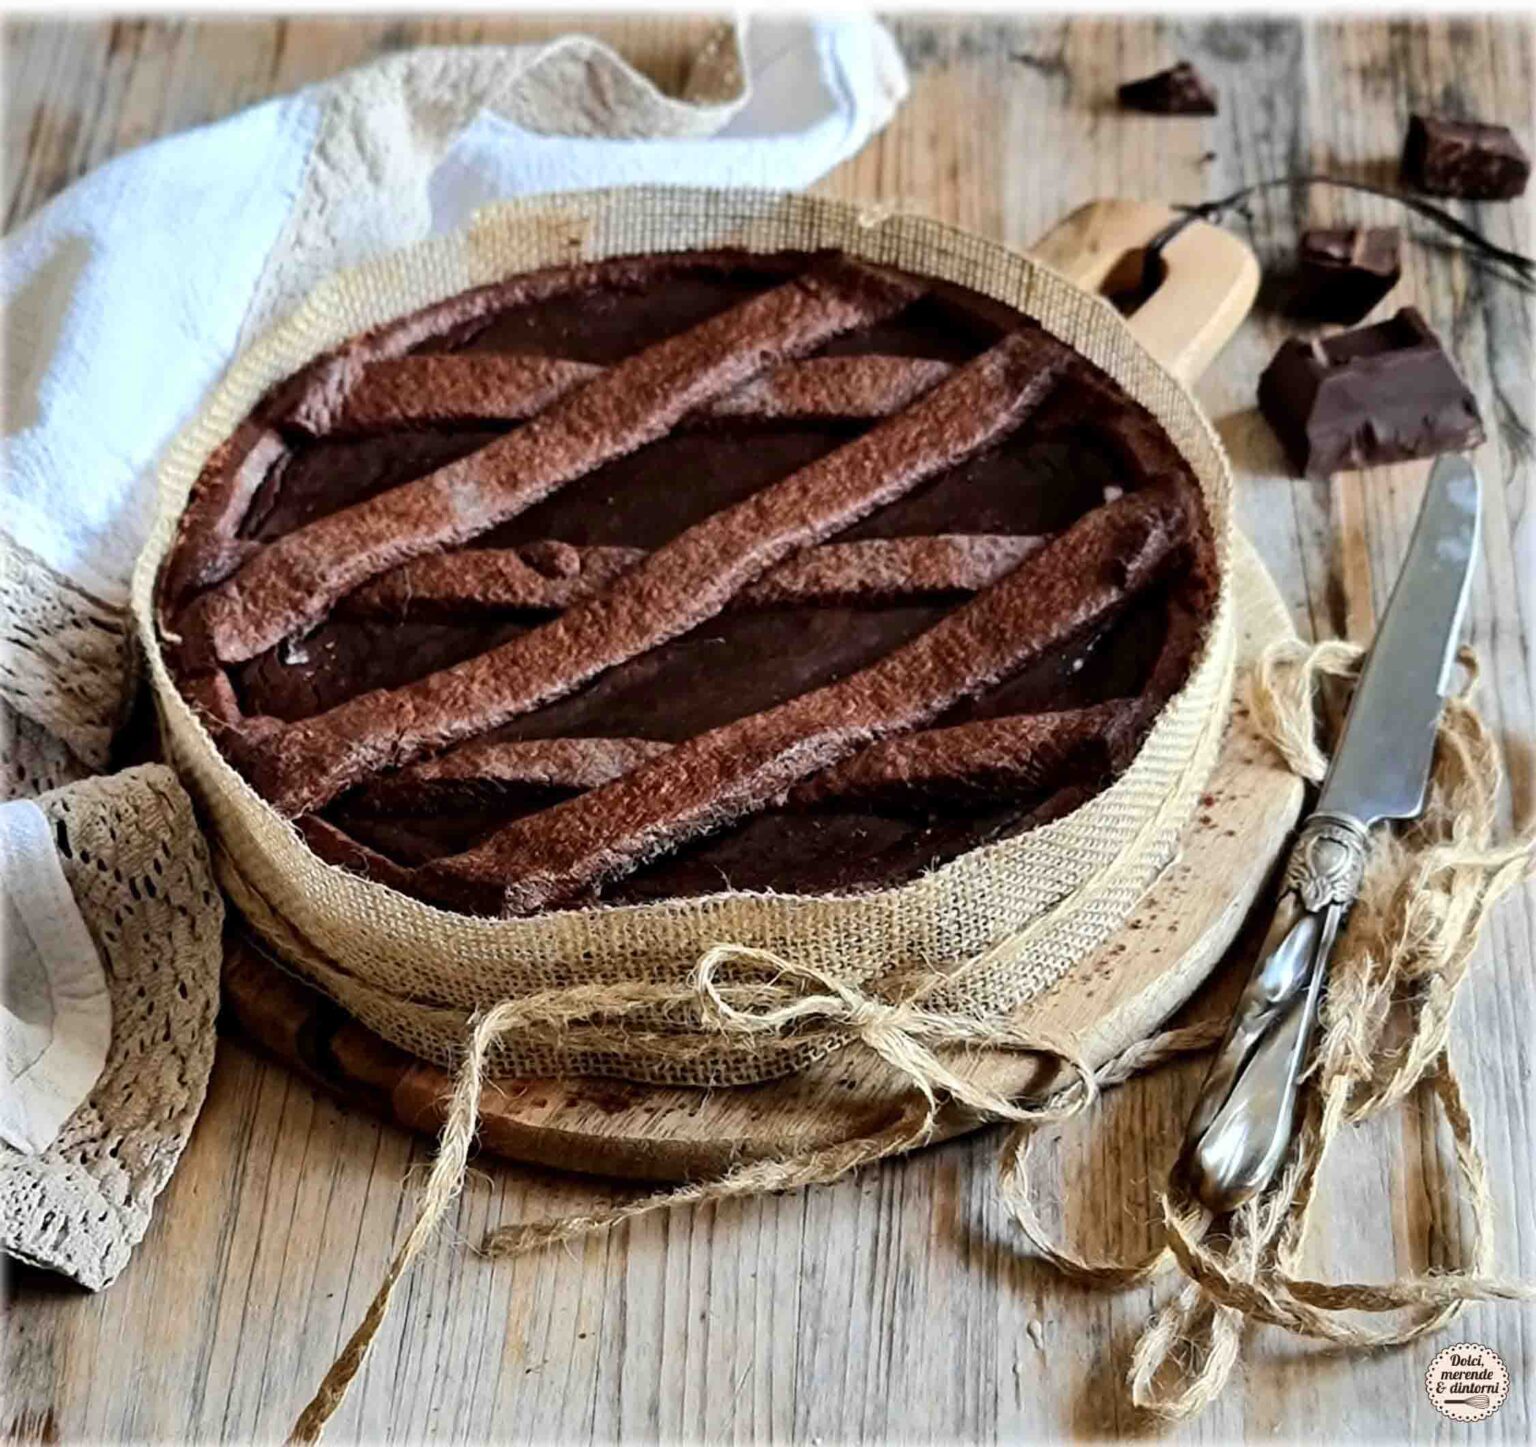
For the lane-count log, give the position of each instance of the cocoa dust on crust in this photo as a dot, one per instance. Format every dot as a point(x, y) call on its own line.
point(775, 541)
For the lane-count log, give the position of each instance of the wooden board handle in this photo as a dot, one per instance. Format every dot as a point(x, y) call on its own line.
point(1210, 282)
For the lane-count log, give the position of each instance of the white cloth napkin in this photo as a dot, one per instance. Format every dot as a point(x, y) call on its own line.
point(129, 293)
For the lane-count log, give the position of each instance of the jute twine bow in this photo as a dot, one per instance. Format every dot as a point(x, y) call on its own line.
point(1383, 1036)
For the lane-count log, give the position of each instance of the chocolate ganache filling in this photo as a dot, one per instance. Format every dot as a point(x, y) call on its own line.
point(664, 575)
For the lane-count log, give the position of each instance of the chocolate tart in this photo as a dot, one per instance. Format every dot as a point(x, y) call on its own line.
point(656, 576)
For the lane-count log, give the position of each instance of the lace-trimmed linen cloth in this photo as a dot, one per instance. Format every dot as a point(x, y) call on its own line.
point(55, 1011)
point(137, 866)
point(125, 299)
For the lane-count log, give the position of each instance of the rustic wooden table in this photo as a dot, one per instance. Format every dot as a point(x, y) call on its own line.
point(895, 1306)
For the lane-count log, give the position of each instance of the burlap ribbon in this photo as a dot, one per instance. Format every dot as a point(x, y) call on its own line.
point(1384, 1036)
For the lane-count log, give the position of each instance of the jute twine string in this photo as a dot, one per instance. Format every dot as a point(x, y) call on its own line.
point(900, 1032)
point(1384, 1030)
point(1383, 1037)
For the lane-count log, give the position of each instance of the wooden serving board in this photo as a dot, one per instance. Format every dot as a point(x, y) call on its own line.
point(1115, 997)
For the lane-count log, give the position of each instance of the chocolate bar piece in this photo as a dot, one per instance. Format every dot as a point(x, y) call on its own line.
point(1464, 158)
point(1342, 274)
point(1178, 91)
point(1360, 399)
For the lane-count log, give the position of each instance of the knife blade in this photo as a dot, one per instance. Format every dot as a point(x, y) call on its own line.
point(1242, 1121)
point(1381, 768)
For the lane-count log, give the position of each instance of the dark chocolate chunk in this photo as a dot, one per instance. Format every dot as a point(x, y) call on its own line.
point(1178, 91)
point(1360, 399)
point(1464, 158)
point(1342, 274)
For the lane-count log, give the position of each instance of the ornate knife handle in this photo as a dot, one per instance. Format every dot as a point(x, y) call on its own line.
point(1243, 1120)
point(1327, 861)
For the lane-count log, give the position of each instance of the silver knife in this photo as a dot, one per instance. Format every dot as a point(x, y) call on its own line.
point(1242, 1122)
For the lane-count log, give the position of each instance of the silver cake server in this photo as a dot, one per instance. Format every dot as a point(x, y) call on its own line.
point(1242, 1121)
